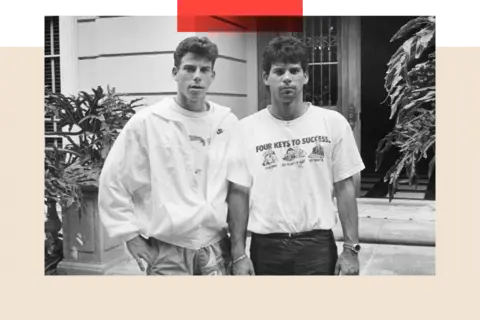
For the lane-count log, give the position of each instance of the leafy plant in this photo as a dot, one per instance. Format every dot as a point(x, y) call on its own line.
point(90, 123)
point(410, 85)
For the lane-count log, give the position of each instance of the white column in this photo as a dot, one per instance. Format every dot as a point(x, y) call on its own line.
point(68, 59)
point(68, 55)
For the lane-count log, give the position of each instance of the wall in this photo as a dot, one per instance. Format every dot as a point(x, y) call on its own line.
point(135, 55)
point(234, 85)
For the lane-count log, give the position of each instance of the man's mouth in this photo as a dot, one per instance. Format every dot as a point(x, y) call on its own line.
point(196, 87)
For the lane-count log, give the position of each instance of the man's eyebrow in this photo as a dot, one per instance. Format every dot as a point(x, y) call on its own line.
point(194, 66)
point(275, 69)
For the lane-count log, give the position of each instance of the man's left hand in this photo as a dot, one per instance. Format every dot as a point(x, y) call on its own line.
point(347, 264)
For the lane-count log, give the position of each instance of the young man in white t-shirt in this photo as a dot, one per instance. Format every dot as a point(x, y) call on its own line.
point(163, 186)
point(287, 162)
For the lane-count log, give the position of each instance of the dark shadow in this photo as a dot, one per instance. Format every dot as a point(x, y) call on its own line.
point(375, 117)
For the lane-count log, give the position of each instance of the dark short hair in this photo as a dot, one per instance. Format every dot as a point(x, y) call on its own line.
point(285, 49)
point(201, 46)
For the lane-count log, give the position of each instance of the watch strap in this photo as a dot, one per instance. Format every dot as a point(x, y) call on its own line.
point(352, 247)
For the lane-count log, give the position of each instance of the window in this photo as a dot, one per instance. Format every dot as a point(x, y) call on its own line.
point(52, 73)
point(52, 53)
point(321, 38)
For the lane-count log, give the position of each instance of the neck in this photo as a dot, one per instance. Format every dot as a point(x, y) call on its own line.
point(191, 105)
point(288, 110)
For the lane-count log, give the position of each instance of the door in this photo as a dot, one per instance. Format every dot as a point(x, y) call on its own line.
point(334, 69)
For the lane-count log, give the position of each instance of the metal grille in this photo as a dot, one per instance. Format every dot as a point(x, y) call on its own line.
point(51, 125)
point(50, 142)
point(320, 35)
point(52, 74)
point(52, 53)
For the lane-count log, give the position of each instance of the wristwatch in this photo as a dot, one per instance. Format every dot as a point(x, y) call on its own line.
point(355, 247)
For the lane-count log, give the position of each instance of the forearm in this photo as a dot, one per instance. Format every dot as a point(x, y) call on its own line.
point(347, 209)
point(238, 218)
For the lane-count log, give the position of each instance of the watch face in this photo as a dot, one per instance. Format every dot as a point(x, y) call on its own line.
point(357, 247)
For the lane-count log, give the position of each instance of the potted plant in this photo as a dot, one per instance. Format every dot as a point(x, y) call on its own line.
point(89, 123)
point(410, 86)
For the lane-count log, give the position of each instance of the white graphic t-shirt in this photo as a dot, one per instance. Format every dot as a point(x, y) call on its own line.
point(199, 128)
point(291, 168)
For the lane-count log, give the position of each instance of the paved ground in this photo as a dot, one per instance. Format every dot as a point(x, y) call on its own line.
point(385, 228)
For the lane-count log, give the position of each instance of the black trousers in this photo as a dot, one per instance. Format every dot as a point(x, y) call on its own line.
point(306, 253)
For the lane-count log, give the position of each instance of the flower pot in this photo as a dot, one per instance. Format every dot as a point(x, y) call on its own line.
point(88, 250)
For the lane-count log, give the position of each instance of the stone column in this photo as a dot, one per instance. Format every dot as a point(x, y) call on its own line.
point(68, 55)
point(87, 248)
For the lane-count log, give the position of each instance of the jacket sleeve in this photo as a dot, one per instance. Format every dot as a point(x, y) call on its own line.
point(125, 170)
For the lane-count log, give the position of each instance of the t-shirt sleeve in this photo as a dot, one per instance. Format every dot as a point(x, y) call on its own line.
point(346, 157)
point(237, 169)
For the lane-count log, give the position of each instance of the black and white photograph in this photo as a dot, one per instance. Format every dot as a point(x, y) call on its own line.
point(240, 153)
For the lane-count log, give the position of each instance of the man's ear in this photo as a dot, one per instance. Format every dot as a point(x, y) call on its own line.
point(305, 81)
point(213, 74)
point(174, 73)
point(265, 78)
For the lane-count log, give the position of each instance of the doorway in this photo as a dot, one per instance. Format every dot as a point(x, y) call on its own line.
point(376, 51)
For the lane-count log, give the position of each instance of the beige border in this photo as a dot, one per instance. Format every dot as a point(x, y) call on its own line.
point(30, 295)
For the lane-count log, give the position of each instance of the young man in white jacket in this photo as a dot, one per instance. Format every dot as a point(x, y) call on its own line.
point(163, 186)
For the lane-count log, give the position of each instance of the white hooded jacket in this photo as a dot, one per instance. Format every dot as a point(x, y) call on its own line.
point(147, 184)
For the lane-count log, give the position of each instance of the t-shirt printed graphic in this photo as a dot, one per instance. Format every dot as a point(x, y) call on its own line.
point(294, 153)
point(317, 152)
point(269, 158)
point(204, 142)
point(290, 152)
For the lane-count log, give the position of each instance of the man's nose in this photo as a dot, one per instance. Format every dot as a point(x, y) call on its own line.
point(196, 75)
point(287, 77)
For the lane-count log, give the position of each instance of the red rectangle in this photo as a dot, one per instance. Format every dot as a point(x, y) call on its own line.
point(195, 23)
point(239, 8)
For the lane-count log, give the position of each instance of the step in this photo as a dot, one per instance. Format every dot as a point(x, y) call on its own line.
point(393, 232)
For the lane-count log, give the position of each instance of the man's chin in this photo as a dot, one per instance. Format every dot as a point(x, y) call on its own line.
point(288, 98)
point(196, 97)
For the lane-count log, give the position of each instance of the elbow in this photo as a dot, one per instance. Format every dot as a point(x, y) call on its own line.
point(345, 187)
point(234, 189)
point(237, 193)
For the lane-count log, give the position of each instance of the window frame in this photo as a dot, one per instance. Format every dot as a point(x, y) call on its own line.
point(68, 60)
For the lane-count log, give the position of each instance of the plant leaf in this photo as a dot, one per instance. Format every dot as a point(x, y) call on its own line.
point(411, 26)
point(423, 42)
